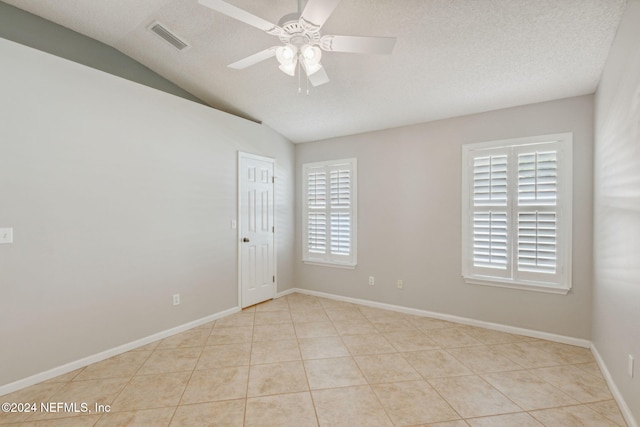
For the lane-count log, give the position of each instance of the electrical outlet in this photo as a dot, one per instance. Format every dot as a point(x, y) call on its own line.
point(6, 235)
point(176, 299)
point(400, 284)
point(630, 366)
point(372, 280)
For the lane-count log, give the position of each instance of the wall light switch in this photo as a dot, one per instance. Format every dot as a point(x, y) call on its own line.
point(234, 224)
point(6, 235)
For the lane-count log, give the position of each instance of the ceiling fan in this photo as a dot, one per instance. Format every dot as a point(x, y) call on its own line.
point(302, 42)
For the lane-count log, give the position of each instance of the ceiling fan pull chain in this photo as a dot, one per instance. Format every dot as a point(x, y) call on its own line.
point(307, 85)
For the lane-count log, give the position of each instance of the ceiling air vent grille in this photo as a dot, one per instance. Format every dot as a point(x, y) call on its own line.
point(163, 32)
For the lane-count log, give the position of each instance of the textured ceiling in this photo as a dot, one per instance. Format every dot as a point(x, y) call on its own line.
point(452, 57)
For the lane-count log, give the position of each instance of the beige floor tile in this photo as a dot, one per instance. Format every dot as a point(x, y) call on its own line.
point(243, 318)
point(313, 315)
point(191, 338)
point(151, 391)
point(283, 410)
point(391, 324)
point(528, 391)
point(304, 305)
point(489, 336)
point(216, 384)
point(521, 419)
point(349, 406)
point(578, 384)
point(327, 303)
point(35, 394)
point(228, 413)
point(360, 345)
point(413, 402)
point(459, 423)
point(171, 360)
point(426, 323)
point(568, 354)
point(591, 368)
point(379, 314)
point(609, 409)
point(315, 329)
point(363, 365)
point(122, 365)
point(273, 332)
point(473, 397)
point(274, 351)
point(80, 421)
point(328, 373)
point(89, 392)
point(451, 337)
point(528, 354)
point(272, 317)
point(358, 327)
point(386, 368)
point(278, 304)
point(436, 364)
point(208, 326)
point(322, 347)
point(220, 356)
point(572, 416)
point(482, 359)
point(351, 314)
point(230, 335)
point(410, 340)
point(277, 378)
point(141, 418)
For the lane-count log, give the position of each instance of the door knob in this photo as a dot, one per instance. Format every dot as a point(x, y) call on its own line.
point(245, 239)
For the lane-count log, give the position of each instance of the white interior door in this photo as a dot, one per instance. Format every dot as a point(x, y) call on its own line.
point(257, 237)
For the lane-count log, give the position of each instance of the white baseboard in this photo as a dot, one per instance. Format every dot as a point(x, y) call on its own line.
point(286, 292)
point(451, 318)
point(72, 366)
point(622, 404)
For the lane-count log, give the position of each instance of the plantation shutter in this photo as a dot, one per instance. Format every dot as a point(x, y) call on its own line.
point(490, 219)
point(316, 207)
point(516, 212)
point(537, 216)
point(329, 212)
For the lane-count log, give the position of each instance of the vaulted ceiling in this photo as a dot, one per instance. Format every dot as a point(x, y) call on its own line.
point(452, 57)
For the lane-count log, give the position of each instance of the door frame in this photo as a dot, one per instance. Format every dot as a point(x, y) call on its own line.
point(245, 155)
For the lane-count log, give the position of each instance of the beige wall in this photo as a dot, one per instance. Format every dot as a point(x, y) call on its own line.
point(409, 188)
point(119, 196)
point(616, 308)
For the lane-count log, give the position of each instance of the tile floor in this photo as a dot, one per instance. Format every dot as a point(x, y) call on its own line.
point(306, 361)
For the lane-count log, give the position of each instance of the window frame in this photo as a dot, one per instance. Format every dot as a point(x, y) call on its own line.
point(513, 277)
point(331, 260)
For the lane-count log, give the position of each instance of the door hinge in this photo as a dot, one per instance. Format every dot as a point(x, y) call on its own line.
point(273, 229)
point(273, 179)
point(274, 279)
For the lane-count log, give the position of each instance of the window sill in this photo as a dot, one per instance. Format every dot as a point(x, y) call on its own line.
point(329, 264)
point(519, 285)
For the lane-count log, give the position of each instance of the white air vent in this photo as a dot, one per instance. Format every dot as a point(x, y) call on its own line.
point(163, 32)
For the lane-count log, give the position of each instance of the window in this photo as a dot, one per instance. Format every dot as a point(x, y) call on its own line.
point(329, 213)
point(516, 213)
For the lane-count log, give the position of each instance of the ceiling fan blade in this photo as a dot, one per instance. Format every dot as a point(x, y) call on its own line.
point(316, 12)
point(355, 44)
point(318, 78)
point(254, 59)
point(239, 14)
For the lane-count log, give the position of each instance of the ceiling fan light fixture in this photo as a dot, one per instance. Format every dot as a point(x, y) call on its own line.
point(310, 56)
point(287, 56)
point(288, 69)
